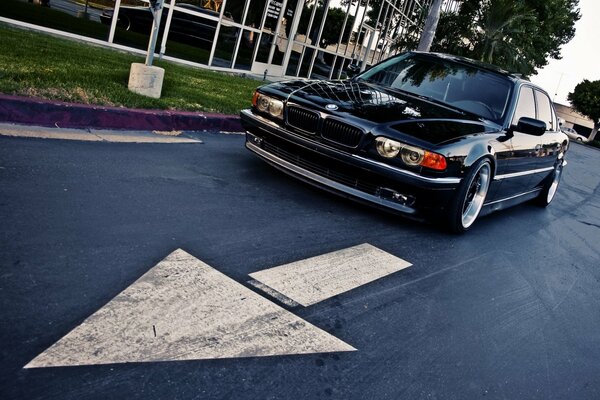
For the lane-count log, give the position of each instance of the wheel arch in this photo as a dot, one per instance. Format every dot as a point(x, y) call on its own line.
point(481, 150)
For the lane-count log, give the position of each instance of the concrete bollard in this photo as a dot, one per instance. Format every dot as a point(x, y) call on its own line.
point(146, 80)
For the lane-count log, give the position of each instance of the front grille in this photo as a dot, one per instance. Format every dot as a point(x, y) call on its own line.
point(299, 118)
point(341, 133)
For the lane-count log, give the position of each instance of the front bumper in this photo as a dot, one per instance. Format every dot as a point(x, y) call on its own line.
point(349, 174)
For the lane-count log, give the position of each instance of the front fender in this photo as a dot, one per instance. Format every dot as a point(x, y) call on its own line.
point(478, 151)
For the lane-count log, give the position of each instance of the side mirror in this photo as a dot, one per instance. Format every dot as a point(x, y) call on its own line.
point(352, 70)
point(530, 126)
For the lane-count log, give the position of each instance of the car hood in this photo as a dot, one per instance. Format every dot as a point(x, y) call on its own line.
point(374, 106)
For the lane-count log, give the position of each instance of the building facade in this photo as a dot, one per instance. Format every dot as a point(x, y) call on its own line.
point(286, 38)
point(272, 38)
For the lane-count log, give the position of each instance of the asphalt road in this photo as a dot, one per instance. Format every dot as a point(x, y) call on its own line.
point(509, 311)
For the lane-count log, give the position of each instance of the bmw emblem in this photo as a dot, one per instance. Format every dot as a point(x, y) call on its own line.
point(331, 107)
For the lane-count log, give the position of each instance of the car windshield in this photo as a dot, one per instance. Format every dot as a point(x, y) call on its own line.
point(465, 87)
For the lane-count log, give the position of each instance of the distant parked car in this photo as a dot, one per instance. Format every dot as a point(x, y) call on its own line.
point(572, 133)
point(185, 28)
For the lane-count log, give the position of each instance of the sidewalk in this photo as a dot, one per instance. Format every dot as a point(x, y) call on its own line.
point(58, 114)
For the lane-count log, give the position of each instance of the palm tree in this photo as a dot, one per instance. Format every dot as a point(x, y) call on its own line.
point(501, 27)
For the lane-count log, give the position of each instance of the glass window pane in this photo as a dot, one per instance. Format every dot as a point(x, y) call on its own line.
point(293, 63)
point(525, 106)
point(225, 47)
point(255, 13)
point(247, 44)
point(64, 18)
point(264, 47)
point(306, 62)
point(186, 52)
point(544, 110)
point(322, 66)
point(234, 9)
point(192, 29)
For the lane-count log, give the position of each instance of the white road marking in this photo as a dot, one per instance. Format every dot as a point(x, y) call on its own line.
point(182, 309)
point(91, 135)
point(318, 278)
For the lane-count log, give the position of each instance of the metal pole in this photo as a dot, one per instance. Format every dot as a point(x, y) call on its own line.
point(113, 23)
point(292, 37)
point(157, 14)
point(216, 37)
point(163, 46)
point(364, 61)
point(360, 28)
point(276, 34)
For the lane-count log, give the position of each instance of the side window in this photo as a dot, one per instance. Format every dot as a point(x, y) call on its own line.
point(525, 106)
point(545, 110)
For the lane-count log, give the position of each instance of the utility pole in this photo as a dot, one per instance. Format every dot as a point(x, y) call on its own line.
point(430, 27)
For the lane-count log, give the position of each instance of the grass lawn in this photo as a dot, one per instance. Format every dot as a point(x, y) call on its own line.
point(34, 64)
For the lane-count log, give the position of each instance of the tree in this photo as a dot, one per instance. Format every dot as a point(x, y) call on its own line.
point(430, 27)
point(585, 98)
point(519, 35)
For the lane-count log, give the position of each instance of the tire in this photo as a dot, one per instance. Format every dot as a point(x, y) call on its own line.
point(470, 197)
point(549, 191)
point(124, 22)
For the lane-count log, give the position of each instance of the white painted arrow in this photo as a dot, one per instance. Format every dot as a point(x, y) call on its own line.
point(182, 309)
point(315, 279)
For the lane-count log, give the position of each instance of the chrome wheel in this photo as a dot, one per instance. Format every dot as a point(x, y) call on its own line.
point(554, 184)
point(475, 195)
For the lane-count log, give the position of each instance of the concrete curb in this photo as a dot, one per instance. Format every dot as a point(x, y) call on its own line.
point(94, 135)
point(41, 112)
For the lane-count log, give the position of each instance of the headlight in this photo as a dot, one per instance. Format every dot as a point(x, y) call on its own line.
point(268, 105)
point(410, 155)
point(387, 148)
point(276, 108)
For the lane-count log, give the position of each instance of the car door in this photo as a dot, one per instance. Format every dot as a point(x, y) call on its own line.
point(551, 140)
point(519, 159)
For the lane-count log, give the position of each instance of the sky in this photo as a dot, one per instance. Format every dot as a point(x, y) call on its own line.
point(580, 57)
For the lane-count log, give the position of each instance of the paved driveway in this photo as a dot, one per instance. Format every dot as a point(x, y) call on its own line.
point(510, 310)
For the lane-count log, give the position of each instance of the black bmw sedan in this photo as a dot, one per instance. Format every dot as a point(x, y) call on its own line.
point(421, 134)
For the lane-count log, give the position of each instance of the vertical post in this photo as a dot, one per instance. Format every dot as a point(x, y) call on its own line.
point(370, 43)
point(360, 27)
point(156, 8)
point(276, 34)
point(163, 45)
point(216, 37)
point(292, 37)
point(113, 23)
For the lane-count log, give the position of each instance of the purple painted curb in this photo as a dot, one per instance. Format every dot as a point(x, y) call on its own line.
point(41, 112)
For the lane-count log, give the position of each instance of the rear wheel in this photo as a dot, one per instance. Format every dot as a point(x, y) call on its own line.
point(549, 191)
point(469, 199)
